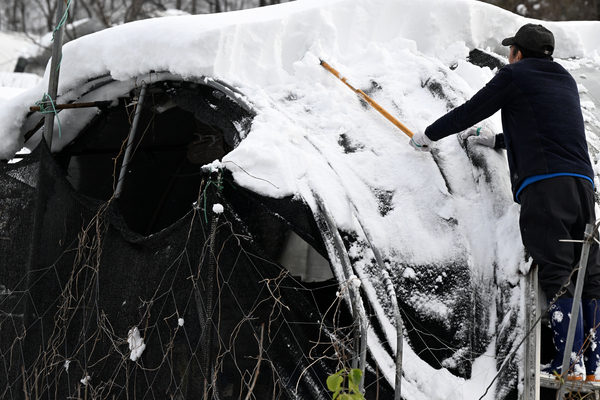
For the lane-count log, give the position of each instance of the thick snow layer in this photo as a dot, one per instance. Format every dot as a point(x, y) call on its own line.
point(437, 218)
point(259, 49)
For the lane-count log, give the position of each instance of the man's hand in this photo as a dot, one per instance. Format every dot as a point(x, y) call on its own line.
point(420, 142)
point(480, 136)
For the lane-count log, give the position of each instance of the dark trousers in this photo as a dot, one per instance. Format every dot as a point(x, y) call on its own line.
point(553, 209)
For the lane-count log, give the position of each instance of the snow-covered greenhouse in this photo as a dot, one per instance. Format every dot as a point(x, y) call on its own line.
point(220, 217)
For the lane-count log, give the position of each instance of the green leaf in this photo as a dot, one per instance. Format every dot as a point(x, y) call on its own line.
point(354, 376)
point(354, 380)
point(334, 383)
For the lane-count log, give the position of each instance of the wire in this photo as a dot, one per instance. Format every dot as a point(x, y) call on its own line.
point(46, 110)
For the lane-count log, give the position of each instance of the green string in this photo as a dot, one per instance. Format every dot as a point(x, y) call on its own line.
point(42, 103)
point(218, 185)
point(62, 21)
point(47, 110)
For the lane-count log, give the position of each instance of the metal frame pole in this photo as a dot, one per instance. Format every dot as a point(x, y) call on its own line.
point(399, 333)
point(355, 301)
point(127, 157)
point(394, 299)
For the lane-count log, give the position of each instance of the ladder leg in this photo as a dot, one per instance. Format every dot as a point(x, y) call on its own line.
point(532, 344)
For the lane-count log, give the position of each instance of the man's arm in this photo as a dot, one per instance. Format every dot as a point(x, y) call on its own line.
point(482, 105)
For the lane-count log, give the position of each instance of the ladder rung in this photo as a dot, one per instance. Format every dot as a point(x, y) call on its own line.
point(549, 381)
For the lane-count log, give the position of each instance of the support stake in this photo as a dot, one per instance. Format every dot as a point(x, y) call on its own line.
point(54, 72)
point(127, 157)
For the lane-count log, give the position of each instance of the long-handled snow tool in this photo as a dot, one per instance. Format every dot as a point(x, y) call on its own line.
point(369, 100)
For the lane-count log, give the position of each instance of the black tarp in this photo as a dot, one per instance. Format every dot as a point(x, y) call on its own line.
point(204, 293)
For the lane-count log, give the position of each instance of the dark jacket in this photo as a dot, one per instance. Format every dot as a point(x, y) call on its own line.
point(541, 116)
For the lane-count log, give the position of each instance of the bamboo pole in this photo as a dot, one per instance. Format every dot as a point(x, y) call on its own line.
point(369, 100)
point(103, 103)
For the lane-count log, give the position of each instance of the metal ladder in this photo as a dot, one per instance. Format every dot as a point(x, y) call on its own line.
point(534, 379)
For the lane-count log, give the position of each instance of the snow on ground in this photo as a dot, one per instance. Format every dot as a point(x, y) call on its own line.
point(432, 215)
point(12, 84)
point(11, 44)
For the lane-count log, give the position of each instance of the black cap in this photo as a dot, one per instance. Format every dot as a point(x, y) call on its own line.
point(534, 38)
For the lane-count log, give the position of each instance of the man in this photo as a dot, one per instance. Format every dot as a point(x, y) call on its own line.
point(551, 176)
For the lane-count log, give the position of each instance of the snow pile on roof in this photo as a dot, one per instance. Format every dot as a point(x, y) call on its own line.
point(438, 218)
point(262, 46)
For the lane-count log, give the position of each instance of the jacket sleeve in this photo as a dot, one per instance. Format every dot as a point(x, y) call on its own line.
point(499, 143)
point(482, 105)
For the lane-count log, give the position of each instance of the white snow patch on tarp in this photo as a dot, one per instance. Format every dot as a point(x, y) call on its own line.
point(136, 344)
